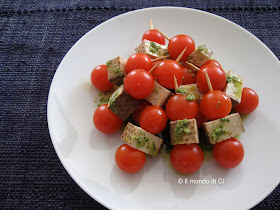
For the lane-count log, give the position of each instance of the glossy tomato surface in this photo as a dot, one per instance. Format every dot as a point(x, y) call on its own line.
point(129, 159)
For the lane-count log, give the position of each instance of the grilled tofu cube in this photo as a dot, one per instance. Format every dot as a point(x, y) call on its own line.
point(122, 104)
point(234, 87)
point(191, 91)
point(155, 96)
point(116, 70)
point(224, 128)
point(152, 49)
point(142, 140)
point(200, 55)
point(184, 132)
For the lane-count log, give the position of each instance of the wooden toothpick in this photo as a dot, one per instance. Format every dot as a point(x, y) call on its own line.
point(159, 100)
point(208, 81)
point(151, 71)
point(181, 55)
point(166, 37)
point(160, 58)
point(175, 83)
point(192, 67)
point(151, 24)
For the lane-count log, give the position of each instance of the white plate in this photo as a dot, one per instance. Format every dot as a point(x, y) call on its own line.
point(88, 155)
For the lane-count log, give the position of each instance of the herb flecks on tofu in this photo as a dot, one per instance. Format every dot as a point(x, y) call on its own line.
point(181, 129)
point(218, 131)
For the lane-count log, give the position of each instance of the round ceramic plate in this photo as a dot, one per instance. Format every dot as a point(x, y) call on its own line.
point(88, 155)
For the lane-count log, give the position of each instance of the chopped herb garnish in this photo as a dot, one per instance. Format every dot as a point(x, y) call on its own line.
point(154, 48)
point(117, 70)
point(190, 97)
point(152, 148)
point(141, 141)
point(201, 48)
point(225, 119)
point(218, 104)
point(108, 63)
point(181, 91)
point(181, 129)
point(218, 131)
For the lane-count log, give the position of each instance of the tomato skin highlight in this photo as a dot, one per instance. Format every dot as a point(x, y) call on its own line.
point(228, 153)
point(136, 114)
point(138, 61)
point(154, 36)
point(215, 104)
point(139, 84)
point(165, 72)
point(129, 159)
point(249, 101)
point(178, 43)
point(216, 75)
point(178, 108)
point(105, 120)
point(186, 158)
point(153, 119)
point(99, 78)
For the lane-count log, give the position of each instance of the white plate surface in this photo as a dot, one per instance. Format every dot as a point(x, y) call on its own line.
point(88, 155)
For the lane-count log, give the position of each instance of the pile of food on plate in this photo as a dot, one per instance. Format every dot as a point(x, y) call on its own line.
point(174, 95)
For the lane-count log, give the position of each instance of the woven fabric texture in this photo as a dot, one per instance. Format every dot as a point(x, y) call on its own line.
point(34, 37)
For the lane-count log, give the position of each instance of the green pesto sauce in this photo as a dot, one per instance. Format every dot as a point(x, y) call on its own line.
point(190, 97)
point(117, 70)
point(225, 120)
point(151, 148)
point(237, 83)
point(141, 141)
point(103, 97)
point(218, 131)
point(109, 62)
point(112, 102)
point(181, 91)
point(181, 128)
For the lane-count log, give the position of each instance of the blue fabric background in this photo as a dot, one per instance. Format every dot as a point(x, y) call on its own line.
point(34, 37)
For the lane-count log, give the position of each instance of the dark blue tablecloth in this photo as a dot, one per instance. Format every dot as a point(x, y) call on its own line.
point(34, 37)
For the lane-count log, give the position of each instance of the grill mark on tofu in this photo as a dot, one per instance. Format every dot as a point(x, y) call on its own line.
point(200, 55)
point(184, 132)
point(116, 70)
point(234, 87)
point(122, 104)
point(142, 140)
point(152, 49)
point(155, 96)
point(224, 128)
point(190, 89)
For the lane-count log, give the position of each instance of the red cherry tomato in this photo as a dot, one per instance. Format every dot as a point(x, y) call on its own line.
point(200, 119)
point(189, 76)
point(178, 108)
point(228, 153)
point(178, 43)
point(215, 104)
point(99, 78)
point(138, 61)
point(186, 158)
point(249, 101)
point(154, 36)
point(212, 62)
point(136, 114)
point(129, 159)
point(105, 120)
point(165, 72)
point(139, 84)
point(153, 119)
point(217, 77)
